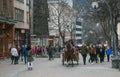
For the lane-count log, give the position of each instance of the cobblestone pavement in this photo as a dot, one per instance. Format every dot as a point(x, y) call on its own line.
point(45, 68)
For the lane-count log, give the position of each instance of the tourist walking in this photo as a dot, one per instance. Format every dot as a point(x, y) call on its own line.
point(29, 58)
point(14, 55)
point(23, 51)
point(101, 53)
point(108, 52)
point(94, 58)
point(50, 52)
point(92, 51)
point(97, 52)
point(84, 52)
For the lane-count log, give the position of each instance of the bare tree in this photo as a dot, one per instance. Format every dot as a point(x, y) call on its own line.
point(102, 15)
point(60, 17)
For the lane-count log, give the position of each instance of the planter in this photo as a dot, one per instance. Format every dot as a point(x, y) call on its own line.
point(116, 62)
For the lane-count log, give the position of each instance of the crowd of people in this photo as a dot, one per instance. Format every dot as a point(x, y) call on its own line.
point(49, 51)
point(26, 53)
point(96, 53)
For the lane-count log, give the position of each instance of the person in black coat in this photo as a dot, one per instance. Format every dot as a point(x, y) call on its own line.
point(84, 52)
point(50, 52)
point(101, 53)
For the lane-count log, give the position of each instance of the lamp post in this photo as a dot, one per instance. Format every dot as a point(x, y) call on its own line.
point(115, 58)
point(113, 37)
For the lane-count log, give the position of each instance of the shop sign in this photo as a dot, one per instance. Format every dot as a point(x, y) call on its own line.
point(22, 31)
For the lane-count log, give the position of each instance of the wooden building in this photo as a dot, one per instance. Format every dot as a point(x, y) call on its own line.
point(6, 26)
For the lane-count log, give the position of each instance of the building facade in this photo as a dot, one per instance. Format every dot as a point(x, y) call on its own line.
point(78, 32)
point(6, 26)
point(78, 36)
point(39, 22)
point(22, 28)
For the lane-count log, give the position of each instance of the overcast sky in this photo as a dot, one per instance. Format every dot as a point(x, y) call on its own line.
point(70, 2)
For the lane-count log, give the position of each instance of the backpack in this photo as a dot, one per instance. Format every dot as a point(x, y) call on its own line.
point(28, 53)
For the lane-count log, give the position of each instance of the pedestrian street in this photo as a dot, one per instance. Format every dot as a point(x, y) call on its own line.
point(54, 68)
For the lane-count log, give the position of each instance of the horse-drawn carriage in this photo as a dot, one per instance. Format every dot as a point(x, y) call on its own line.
point(70, 55)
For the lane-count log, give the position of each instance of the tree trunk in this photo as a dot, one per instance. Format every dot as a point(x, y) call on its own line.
point(63, 40)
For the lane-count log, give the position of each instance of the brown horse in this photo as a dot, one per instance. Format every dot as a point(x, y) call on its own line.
point(70, 55)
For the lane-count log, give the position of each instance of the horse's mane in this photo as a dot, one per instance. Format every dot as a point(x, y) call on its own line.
point(68, 46)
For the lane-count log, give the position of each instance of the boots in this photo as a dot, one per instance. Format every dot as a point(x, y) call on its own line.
point(30, 68)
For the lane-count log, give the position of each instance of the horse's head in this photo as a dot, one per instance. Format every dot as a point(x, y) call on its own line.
point(68, 45)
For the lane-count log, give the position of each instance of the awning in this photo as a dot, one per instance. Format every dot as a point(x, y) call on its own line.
point(6, 20)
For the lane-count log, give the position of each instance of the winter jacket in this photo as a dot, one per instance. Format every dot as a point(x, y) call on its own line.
point(84, 50)
point(14, 52)
point(29, 56)
point(108, 51)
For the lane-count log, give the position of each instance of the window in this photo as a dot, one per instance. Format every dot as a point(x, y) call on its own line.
point(27, 17)
point(78, 29)
point(21, 1)
point(27, 2)
point(78, 23)
point(4, 7)
point(78, 34)
point(19, 14)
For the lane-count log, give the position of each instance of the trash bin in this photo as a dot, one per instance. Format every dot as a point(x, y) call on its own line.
point(115, 62)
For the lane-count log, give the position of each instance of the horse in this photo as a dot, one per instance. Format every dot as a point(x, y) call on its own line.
point(70, 54)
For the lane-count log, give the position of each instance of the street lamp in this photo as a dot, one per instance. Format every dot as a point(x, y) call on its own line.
point(95, 5)
point(115, 58)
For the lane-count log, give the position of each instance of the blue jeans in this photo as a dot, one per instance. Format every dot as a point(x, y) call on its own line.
point(24, 58)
